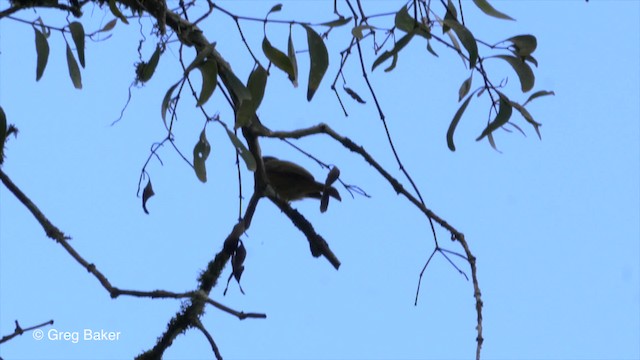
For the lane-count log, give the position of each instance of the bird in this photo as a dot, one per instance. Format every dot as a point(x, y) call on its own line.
point(293, 182)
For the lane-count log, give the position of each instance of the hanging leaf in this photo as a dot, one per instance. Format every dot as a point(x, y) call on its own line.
point(338, 22)
point(405, 22)
point(504, 114)
point(467, 39)
point(489, 10)
point(245, 154)
point(319, 59)
point(116, 12)
point(77, 34)
point(275, 8)
point(42, 50)
point(109, 26)
point(454, 123)
point(200, 154)
point(465, 87)
point(166, 101)
point(354, 95)
point(538, 94)
point(524, 72)
point(393, 52)
point(357, 31)
point(200, 58)
point(209, 71)
point(524, 45)
point(430, 49)
point(527, 116)
point(74, 70)
point(291, 53)
point(255, 85)
point(145, 71)
point(238, 89)
point(278, 58)
point(146, 194)
point(450, 15)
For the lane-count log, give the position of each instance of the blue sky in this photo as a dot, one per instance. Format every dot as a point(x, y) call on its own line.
point(554, 223)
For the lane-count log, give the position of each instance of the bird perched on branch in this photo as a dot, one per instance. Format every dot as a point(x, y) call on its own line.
point(293, 182)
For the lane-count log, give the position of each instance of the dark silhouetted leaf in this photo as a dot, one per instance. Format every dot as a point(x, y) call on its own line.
point(200, 58)
point(405, 22)
point(319, 59)
point(245, 154)
point(538, 94)
point(42, 50)
point(145, 70)
point(209, 71)
point(354, 95)
point(490, 10)
point(450, 15)
point(166, 101)
point(256, 86)
point(278, 58)
point(146, 194)
point(357, 31)
point(454, 123)
point(275, 8)
point(200, 154)
point(74, 70)
point(109, 26)
point(527, 116)
point(525, 45)
point(393, 52)
point(467, 39)
point(77, 34)
point(465, 87)
point(291, 53)
point(430, 49)
point(504, 114)
point(525, 74)
point(338, 22)
point(116, 12)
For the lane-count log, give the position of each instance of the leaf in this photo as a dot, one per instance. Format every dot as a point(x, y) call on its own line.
point(338, 22)
point(354, 95)
point(275, 8)
point(74, 70)
point(357, 31)
point(237, 87)
point(405, 22)
point(200, 154)
point(209, 71)
point(42, 51)
point(255, 85)
point(200, 58)
point(165, 102)
point(465, 87)
point(467, 39)
point(319, 59)
point(450, 15)
point(3, 131)
point(430, 49)
point(393, 52)
point(489, 10)
point(291, 53)
point(146, 194)
point(525, 44)
point(145, 70)
point(109, 26)
point(522, 69)
point(278, 58)
point(538, 94)
point(77, 34)
point(245, 154)
point(116, 12)
point(454, 123)
point(527, 116)
point(504, 114)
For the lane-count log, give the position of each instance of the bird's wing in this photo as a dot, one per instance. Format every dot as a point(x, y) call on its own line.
point(287, 167)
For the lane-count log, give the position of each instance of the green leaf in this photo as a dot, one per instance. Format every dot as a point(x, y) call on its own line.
point(77, 34)
point(209, 71)
point(74, 70)
point(357, 31)
point(393, 52)
point(245, 154)
point(291, 53)
point(467, 39)
point(504, 114)
point(354, 95)
point(455, 121)
point(116, 12)
point(278, 58)
point(319, 59)
point(255, 85)
point(237, 87)
point(527, 116)
point(538, 94)
point(465, 87)
point(338, 22)
point(405, 22)
point(430, 49)
point(150, 67)
point(146, 194)
point(450, 15)
point(109, 26)
point(200, 58)
point(200, 154)
point(275, 8)
point(42, 50)
point(490, 10)
point(166, 101)
point(525, 44)
point(525, 74)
